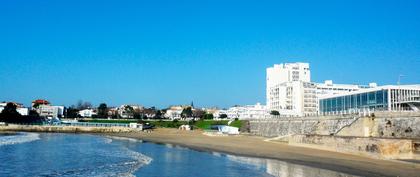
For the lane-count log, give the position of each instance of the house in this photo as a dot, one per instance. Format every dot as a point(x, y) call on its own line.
point(50, 111)
point(128, 111)
point(87, 113)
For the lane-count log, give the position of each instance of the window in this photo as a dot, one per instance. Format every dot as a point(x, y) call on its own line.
point(371, 98)
point(364, 99)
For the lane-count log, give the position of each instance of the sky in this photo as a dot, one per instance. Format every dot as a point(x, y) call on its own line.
point(215, 53)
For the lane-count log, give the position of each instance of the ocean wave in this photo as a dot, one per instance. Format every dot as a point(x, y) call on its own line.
point(18, 138)
point(123, 138)
point(130, 162)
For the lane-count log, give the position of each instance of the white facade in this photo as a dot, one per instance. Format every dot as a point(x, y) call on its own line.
point(87, 113)
point(328, 88)
point(173, 114)
point(384, 98)
point(290, 91)
point(256, 111)
point(50, 111)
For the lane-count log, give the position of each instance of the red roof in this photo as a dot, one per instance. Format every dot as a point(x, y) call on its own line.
point(41, 102)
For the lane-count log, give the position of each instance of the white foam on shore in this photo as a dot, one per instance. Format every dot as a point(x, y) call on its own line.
point(18, 138)
point(139, 158)
point(124, 138)
point(132, 162)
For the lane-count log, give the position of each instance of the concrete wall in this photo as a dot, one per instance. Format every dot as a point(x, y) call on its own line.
point(374, 147)
point(381, 125)
point(385, 136)
point(289, 126)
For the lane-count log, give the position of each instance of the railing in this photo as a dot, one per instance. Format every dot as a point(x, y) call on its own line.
point(90, 124)
point(81, 124)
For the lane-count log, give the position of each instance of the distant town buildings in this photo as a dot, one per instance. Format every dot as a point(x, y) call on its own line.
point(174, 112)
point(44, 109)
point(256, 111)
point(19, 108)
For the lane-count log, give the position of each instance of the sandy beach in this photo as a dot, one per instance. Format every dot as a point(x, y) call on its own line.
point(254, 146)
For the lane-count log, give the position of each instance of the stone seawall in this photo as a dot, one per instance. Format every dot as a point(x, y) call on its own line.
point(291, 126)
point(382, 148)
point(65, 129)
point(382, 135)
point(380, 125)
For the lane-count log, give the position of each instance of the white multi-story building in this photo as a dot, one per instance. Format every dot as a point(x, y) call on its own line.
point(50, 111)
point(290, 91)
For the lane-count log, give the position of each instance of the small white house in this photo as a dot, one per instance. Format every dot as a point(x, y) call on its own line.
point(136, 126)
point(87, 113)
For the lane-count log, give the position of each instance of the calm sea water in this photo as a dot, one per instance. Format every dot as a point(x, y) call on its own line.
point(51, 154)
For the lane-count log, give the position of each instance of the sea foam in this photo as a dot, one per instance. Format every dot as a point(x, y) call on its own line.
point(18, 138)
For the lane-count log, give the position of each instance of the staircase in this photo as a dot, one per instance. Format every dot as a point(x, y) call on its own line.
point(348, 124)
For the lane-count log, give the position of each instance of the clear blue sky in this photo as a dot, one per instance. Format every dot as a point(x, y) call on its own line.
point(212, 52)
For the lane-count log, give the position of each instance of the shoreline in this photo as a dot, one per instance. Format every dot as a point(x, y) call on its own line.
point(253, 146)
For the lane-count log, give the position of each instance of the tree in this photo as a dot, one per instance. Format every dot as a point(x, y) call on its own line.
point(198, 113)
point(274, 113)
point(128, 111)
point(208, 116)
point(103, 110)
point(223, 116)
point(72, 112)
point(186, 112)
point(83, 105)
point(158, 114)
point(10, 114)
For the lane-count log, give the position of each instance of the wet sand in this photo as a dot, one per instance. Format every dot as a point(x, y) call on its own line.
point(253, 146)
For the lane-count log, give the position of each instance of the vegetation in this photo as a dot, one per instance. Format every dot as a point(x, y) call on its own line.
point(10, 115)
point(275, 113)
point(223, 116)
point(103, 110)
point(187, 112)
point(83, 105)
point(208, 116)
point(71, 112)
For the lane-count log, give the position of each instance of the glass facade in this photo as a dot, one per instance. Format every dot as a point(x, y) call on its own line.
point(375, 100)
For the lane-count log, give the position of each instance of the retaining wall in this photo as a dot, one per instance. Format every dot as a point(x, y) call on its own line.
point(381, 148)
point(380, 125)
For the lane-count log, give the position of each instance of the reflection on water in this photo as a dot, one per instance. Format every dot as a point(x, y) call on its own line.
point(50, 154)
point(285, 169)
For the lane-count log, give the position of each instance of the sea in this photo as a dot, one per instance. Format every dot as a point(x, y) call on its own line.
point(59, 154)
